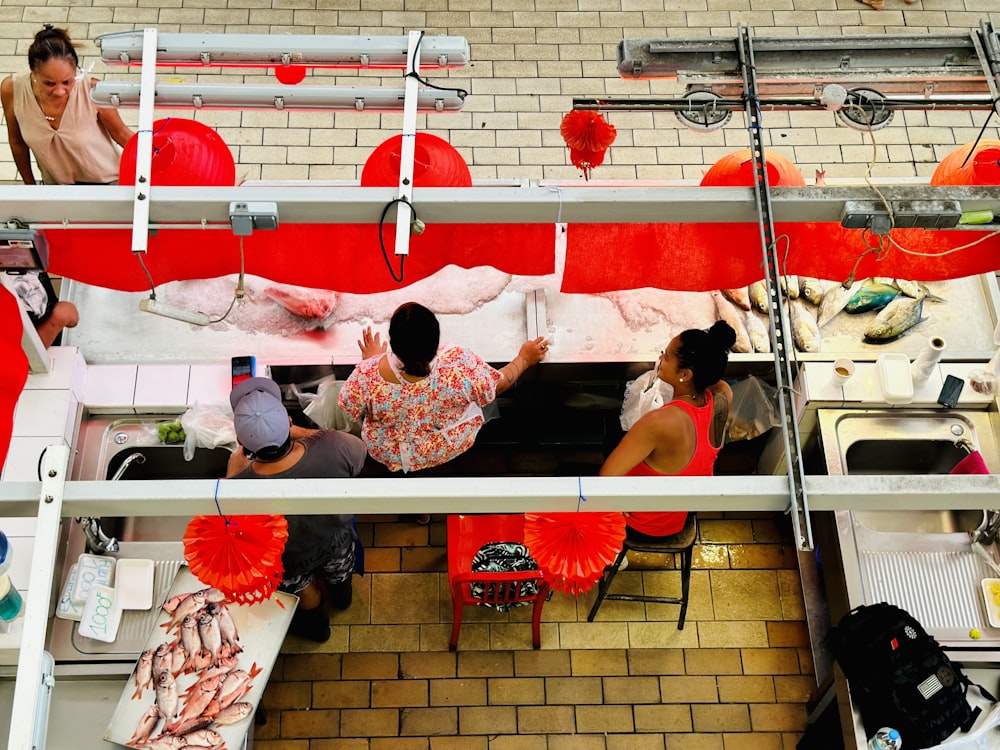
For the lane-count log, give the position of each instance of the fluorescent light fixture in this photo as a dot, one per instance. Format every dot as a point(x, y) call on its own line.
point(271, 50)
point(245, 96)
point(156, 307)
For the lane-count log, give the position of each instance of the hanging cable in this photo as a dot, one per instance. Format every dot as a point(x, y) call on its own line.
point(412, 73)
point(381, 238)
point(993, 111)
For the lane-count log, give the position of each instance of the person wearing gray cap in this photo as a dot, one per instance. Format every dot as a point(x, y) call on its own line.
point(318, 547)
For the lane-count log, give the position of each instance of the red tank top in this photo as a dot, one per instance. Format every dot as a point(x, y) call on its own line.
point(702, 464)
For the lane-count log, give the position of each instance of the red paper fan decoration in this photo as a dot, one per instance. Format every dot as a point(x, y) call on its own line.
point(239, 555)
point(573, 549)
point(588, 136)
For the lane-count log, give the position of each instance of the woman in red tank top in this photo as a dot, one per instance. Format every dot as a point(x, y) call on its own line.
point(683, 437)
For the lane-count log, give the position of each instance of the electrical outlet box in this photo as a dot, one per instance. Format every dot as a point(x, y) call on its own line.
point(905, 214)
point(245, 217)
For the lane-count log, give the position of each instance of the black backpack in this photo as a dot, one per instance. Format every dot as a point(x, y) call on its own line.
point(900, 677)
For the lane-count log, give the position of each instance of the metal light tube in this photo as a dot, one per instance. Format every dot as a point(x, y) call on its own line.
point(240, 96)
point(271, 50)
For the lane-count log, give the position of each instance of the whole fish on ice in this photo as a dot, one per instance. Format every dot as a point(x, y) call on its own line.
point(805, 331)
point(143, 673)
point(739, 297)
point(146, 726)
point(758, 296)
point(760, 336)
point(871, 297)
point(834, 300)
point(811, 289)
point(898, 317)
point(313, 304)
point(728, 312)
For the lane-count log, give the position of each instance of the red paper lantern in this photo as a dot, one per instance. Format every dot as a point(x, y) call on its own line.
point(737, 170)
point(981, 168)
point(573, 549)
point(588, 136)
point(436, 163)
point(239, 555)
point(185, 152)
point(290, 74)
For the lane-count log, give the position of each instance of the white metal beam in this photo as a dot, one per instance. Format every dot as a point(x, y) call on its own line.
point(505, 495)
point(70, 205)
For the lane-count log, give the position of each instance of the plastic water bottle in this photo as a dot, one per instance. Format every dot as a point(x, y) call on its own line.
point(885, 738)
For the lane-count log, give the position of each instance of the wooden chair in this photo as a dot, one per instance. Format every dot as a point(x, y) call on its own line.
point(681, 543)
point(466, 535)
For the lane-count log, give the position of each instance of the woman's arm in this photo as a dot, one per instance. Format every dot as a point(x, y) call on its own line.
point(531, 353)
point(18, 148)
point(112, 122)
point(633, 449)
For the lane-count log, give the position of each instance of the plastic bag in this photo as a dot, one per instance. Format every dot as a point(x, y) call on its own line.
point(642, 395)
point(326, 412)
point(754, 409)
point(207, 427)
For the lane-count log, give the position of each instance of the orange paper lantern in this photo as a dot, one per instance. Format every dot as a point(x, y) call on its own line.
point(573, 549)
point(736, 170)
point(588, 136)
point(981, 167)
point(239, 555)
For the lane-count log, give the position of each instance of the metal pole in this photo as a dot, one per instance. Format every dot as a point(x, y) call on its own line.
point(144, 152)
point(781, 339)
point(36, 608)
point(404, 210)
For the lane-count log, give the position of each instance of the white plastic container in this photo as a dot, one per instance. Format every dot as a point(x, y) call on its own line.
point(92, 570)
point(101, 615)
point(134, 583)
point(894, 378)
point(67, 609)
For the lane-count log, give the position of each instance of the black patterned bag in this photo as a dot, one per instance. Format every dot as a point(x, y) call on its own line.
point(900, 677)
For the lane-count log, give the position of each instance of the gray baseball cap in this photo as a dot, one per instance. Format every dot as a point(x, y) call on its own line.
point(259, 416)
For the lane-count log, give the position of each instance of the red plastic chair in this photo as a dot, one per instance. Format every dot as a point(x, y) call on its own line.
point(466, 535)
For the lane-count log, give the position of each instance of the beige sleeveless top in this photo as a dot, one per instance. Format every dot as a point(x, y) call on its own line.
point(79, 150)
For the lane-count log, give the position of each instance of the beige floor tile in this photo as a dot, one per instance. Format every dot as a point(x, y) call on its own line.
point(661, 635)
point(404, 598)
point(593, 635)
point(732, 634)
point(746, 594)
point(377, 637)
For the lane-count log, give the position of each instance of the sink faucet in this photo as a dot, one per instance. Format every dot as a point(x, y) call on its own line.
point(99, 543)
point(986, 532)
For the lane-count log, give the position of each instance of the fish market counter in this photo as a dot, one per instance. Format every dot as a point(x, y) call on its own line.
point(492, 313)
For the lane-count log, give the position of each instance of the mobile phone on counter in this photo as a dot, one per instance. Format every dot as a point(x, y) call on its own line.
point(243, 368)
point(950, 391)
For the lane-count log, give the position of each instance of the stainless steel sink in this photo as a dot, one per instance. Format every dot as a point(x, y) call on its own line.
point(921, 560)
point(104, 446)
point(920, 521)
point(881, 441)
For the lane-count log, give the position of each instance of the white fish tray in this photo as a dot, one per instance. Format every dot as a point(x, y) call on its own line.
point(261, 629)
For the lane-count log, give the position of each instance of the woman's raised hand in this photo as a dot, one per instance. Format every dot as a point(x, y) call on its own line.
point(534, 351)
point(371, 346)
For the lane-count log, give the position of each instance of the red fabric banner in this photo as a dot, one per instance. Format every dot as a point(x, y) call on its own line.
point(13, 366)
point(703, 257)
point(340, 257)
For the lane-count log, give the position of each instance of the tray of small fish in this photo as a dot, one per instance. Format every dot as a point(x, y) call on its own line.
point(203, 670)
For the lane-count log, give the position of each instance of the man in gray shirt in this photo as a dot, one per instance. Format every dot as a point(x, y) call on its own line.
point(318, 547)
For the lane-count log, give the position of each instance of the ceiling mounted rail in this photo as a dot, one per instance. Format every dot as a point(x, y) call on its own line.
point(911, 71)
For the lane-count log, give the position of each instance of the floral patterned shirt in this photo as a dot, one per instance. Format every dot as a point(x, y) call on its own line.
point(413, 426)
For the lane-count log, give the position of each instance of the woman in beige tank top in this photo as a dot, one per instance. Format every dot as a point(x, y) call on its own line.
point(49, 115)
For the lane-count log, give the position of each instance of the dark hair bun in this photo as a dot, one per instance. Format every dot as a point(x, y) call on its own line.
point(722, 335)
